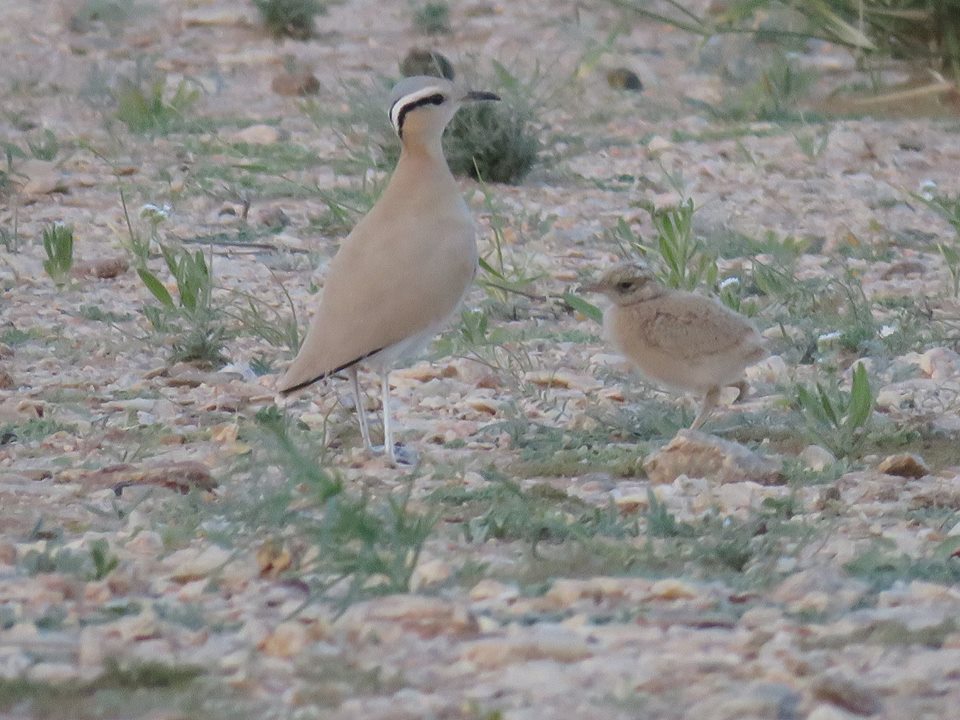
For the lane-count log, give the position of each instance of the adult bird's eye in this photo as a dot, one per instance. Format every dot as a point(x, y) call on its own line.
point(625, 284)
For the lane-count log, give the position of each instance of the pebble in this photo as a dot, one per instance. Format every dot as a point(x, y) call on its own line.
point(624, 79)
point(829, 712)
point(537, 643)
point(907, 465)
point(287, 640)
point(673, 589)
point(699, 455)
point(846, 693)
point(816, 458)
point(223, 16)
point(295, 84)
point(658, 145)
point(258, 135)
point(421, 61)
point(490, 589)
point(416, 614)
point(195, 563)
point(102, 268)
point(430, 572)
point(42, 177)
point(940, 363)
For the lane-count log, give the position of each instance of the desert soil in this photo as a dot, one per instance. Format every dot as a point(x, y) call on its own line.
point(825, 589)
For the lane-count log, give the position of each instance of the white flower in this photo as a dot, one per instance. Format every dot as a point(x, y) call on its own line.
point(928, 189)
point(727, 282)
point(887, 330)
point(156, 213)
point(830, 336)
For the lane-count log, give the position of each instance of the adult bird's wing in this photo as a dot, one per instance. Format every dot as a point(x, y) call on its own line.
point(381, 288)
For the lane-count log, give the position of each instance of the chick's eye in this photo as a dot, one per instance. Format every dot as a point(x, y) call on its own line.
point(625, 285)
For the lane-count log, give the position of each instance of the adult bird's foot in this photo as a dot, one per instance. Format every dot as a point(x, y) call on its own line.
point(400, 455)
point(403, 455)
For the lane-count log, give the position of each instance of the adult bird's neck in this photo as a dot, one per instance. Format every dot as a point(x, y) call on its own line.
point(422, 165)
point(418, 149)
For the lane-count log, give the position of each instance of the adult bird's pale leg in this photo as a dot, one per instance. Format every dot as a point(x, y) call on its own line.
point(709, 402)
point(361, 413)
point(387, 430)
point(397, 454)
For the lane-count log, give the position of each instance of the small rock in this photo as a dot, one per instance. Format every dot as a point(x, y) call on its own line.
point(142, 626)
point(904, 267)
point(430, 572)
point(829, 712)
point(54, 673)
point(541, 643)
point(287, 640)
point(562, 379)
point(658, 145)
point(622, 78)
point(772, 369)
point(630, 498)
point(179, 476)
point(698, 455)
point(42, 177)
point(905, 465)
point(258, 135)
point(196, 563)
point(14, 663)
point(420, 61)
point(273, 218)
point(940, 363)
point(103, 268)
point(145, 542)
point(817, 458)
point(423, 616)
point(482, 403)
point(225, 16)
point(673, 589)
point(273, 559)
point(489, 589)
point(6, 380)
point(847, 694)
point(295, 84)
point(565, 592)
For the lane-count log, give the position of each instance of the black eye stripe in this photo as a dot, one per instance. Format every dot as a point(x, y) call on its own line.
point(435, 99)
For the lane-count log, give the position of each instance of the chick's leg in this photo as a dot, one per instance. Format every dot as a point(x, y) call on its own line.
point(743, 387)
point(709, 402)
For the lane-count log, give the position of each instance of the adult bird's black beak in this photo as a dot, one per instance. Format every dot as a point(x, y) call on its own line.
point(481, 95)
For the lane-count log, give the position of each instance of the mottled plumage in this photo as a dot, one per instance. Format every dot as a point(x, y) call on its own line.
point(679, 339)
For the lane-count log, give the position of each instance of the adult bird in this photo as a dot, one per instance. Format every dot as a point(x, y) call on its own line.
point(403, 270)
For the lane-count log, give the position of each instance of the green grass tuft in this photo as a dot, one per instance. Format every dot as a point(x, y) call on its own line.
point(432, 18)
point(290, 18)
point(58, 246)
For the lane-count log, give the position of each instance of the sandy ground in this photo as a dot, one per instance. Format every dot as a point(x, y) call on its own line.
point(827, 589)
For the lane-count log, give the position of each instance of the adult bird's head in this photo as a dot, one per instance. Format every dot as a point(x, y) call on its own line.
point(421, 106)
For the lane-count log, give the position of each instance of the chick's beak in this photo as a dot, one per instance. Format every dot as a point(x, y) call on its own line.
point(481, 95)
point(591, 288)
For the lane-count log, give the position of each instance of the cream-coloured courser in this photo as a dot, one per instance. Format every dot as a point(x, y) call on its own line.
point(680, 339)
point(405, 267)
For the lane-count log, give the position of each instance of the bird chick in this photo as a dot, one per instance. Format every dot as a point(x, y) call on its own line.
point(679, 339)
